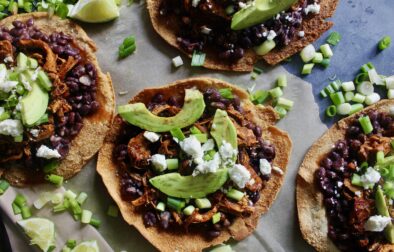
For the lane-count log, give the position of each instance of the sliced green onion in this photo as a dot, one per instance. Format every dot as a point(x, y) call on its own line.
point(71, 243)
point(59, 208)
point(365, 88)
point(161, 206)
point(384, 43)
point(366, 124)
point(348, 86)
point(390, 94)
point(326, 50)
point(282, 81)
point(95, 222)
point(308, 53)
point(323, 93)
point(18, 139)
point(334, 38)
point(359, 98)
point(198, 58)
point(235, 194)
point(178, 134)
point(203, 203)
point(349, 96)
point(4, 116)
point(372, 98)
point(337, 98)
point(75, 207)
point(57, 198)
point(356, 108)
point(307, 68)
point(257, 70)
point(329, 90)
point(374, 77)
point(26, 212)
point(44, 81)
point(20, 200)
point(216, 218)
point(226, 93)
point(86, 216)
point(366, 67)
point(189, 210)
point(379, 157)
point(344, 109)
point(42, 200)
point(325, 63)
point(361, 77)
point(389, 81)
point(172, 164)
point(81, 198)
point(51, 166)
point(318, 58)
point(285, 103)
point(77, 217)
point(16, 209)
point(336, 85)
point(356, 180)
point(331, 111)
point(4, 185)
point(175, 204)
point(70, 194)
point(55, 179)
point(384, 172)
point(265, 47)
point(259, 96)
point(276, 92)
point(194, 130)
point(282, 112)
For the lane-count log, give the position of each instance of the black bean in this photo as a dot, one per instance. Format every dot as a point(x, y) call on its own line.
point(165, 218)
point(213, 234)
point(150, 219)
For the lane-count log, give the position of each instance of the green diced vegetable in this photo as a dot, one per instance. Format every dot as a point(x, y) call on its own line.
point(81, 198)
point(348, 86)
point(161, 206)
point(172, 164)
point(281, 111)
point(366, 124)
point(20, 200)
point(361, 77)
point(308, 53)
point(366, 67)
point(356, 108)
point(55, 179)
point(226, 93)
point(285, 103)
point(282, 81)
point(177, 133)
point(344, 109)
point(259, 97)
point(198, 58)
point(384, 43)
point(235, 194)
point(86, 216)
point(195, 130)
point(356, 180)
point(189, 210)
point(95, 222)
point(329, 90)
point(70, 194)
point(175, 204)
point(323, 93)
point(379, 157)
point(359, 98)
point(326, 50)
point(349, 96)
point(307, 68)
point(75, 207)
point(318, 58)
point(21, 61)
point(26, 212)
point(4, 185)
point(265, 47)
point(336, 85)
point(44, 81)
point(331, 111)
point(16, 209)
point(325, 63)
point(276, 92)
point(257, 70)
point(334, 38)
point(203, 203)
point(337, 98)
point(51, 166)
point(71, 243)
point(202, 138)
point(216, 218)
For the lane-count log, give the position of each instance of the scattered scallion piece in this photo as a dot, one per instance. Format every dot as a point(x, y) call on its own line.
point(95, 222)
point(81, 198)
point(51, 166)
point(323, 93)
point(282, 112)
point(216, 218)
point(175, 204)
point(366, 67)
point(336, 85)
point(203, 203)
point(307, 69)
point(326, 51)
point(259, 97)
point(55, 179)
point(344, 108)
point(189, 210)
point(372, 98)
point(325, 63)
point(177, 133)
point(337, 98)
point(285, 103)
point(318, 58)
point(20, 200)
point(366, 124)
point(198, 58)
point(308, 53)
point(276, 92)
point(127, 47)
point(172, 164)
point(334, 38)
point(349, 96)
point(365, 88)
point(265, 47)
point(348, 86)
point(161, 206)
point(282, 81)
point(16, 209)
point(194, 130)
point(25, 212)
point(379, 157)
point(361, 77)
point(384, 43)
point(4, 185)
point(70, 194)
point(258, 70)
point(226, 93)
point(359, 98)
point(331, 111)
point(177, 61)
point(235, 194)
point(71, 243)
point(86, 216)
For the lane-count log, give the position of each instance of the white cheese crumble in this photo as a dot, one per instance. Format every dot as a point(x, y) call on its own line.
point(265, 167)
point(277, 170)
point(151, 136)
point(47, 153)
point(193, 148)
point(312, 8)
point(35, 132)
point(159, 162)
point(340, 184)
point(377, 223)
point(370, 177)
point(208, 145)
point(239, 175)
point(210, 166)
point(11, 127)
point(271, 35)
point(390, 201)
point(357, 193)
point(228, 154)
point(7, 86)
point(301, 34)
point(177, 61)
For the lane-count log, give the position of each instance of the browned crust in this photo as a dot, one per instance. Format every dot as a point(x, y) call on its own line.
point(92, 135)
point(313, 27)
point(242, 227)
point(311, 211)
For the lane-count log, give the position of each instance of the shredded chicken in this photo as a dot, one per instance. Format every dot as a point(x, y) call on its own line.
point(60, 89)
point(362, 210)
point(245, 161)
point(46, 131)
point(197, 217)
point(59, 107)
point(236, 208)
point(169, 148)
point(374, 144)
point(6, 50)
point(139, 151)
point(246, 136)
point(66, 67)
point(50, 57)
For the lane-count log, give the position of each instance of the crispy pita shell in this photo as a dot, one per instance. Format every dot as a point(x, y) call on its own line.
point(96, 126)
point(265, 117)
point(311, 211)
point(313, 27)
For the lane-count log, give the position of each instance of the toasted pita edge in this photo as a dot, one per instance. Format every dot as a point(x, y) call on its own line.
point(242, 227)
point(311, 211)
point(89, 140)
point(313, 27)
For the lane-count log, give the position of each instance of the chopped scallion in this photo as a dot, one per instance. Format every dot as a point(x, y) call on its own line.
point(216, 218)
point(285, 103)
point(55, 179)
point(337, 98)
point(282, 81)
point(344, 109)
point(276, 92)
point(334, 38)
point(366, 124)
point(326, 51)
point(384, 43)
point(25, 212)
point(81, 198)
point(71, 243)
point(4, 185)
point(172, 164)
point(161, 206)
point(198, 58)
point(259, 97)
point(349, 96)
point(95, 222)
point(178, 134)
point(307, 68)
point(86, 216)
point(226, 93)
point(331, 111)
point(359, 98)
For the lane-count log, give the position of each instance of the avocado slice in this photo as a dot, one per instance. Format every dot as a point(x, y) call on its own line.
point(186, 187)
point(137, 114)
point(223, 129)
point(259, 12)
point(34, 105)
point(382, 209)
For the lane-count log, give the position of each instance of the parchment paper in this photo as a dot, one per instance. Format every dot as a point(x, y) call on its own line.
point(151, 66)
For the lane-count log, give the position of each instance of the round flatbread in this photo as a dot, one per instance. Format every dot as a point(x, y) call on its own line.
point(265, 117)
point(311, 211)
point(313, 27)
point(89, 140)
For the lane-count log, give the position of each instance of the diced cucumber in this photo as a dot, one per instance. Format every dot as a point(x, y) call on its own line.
point(172, 164)
point(175, 204)
point(189, 210)
point(21, 60)
point(265, 47)
point(235, 194)
point(216, 218)
point(203, 203)
point(44, 81)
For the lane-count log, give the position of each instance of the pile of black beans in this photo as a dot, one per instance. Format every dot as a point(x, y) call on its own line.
point(334, 168)
point(231, 45)
point(81, 80)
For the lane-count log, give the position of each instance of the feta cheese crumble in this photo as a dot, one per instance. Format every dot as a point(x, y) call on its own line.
point(193, 148)
point(10, 127)
point(271, 35)
point(265, 167)
point(210, 166)
point(47, 153)
point(370, 177)
point(35, 132)
point(228, 154)
point(151, 136)
point(159, 162)
point(377, 223)
point(205, 30)
point(357, 193)
point(7, 86)
point(239, 175)
point(301, 34)
point(177, 61)
point(340, 184)
point(312, 8)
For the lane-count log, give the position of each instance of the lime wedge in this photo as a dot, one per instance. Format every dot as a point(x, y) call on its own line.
point(87, 246)
point(95, 11)
point(41, 232)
